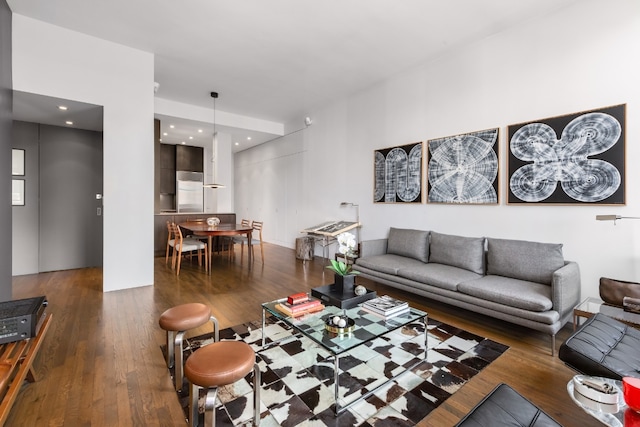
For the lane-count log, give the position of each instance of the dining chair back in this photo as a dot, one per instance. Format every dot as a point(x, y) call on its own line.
point(182, 245)
point(257, 227)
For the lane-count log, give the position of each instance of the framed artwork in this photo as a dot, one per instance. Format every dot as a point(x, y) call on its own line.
point(573, 159)
point(398, 174)
point(17, 192)
point(17, 162)
point(463, 168)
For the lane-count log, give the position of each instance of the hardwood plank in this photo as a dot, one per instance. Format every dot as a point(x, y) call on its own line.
point(101, 365)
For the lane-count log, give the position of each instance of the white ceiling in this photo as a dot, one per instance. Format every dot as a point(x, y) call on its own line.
point(278, 60)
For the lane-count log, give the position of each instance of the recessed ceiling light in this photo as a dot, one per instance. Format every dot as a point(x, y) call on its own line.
point(69, 122)
point(164, 134)
point(248, 138)
point(199, 130)
point(62, 107)
point(190, 137)
point(183, 143)
point(172, 126)
point(237, 143)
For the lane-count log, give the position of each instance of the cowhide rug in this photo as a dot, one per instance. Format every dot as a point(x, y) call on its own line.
point(297, 376)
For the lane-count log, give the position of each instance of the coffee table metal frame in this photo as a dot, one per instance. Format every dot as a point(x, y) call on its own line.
point(312, 326)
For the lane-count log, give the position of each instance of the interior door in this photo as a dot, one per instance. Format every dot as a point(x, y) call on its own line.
point(70, 198)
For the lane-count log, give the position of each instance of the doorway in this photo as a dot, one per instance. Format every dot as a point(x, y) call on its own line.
point(60, 226)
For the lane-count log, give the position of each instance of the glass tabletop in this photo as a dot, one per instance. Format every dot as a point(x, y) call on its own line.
point(592, 306)
point(367, 326)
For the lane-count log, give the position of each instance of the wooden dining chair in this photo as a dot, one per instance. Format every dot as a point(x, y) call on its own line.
point(188, 234)
point(238, 239)
point(257, 226)
point(182, 245)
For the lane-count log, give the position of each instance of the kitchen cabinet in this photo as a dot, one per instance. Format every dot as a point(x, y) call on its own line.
point(189, 158)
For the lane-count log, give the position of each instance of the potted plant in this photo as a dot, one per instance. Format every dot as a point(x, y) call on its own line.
point(344, 273)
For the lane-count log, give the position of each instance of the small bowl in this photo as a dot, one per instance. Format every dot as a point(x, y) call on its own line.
point(331, 327)
point(631, 392)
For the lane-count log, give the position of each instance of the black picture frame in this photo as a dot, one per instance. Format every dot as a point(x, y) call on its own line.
point(17, 162)
point(572, 159)
point(397, 174)
point(17, 192)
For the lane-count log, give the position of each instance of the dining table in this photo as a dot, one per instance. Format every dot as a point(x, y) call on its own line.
point(203, 229)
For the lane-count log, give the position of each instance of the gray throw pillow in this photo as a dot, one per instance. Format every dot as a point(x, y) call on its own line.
point(458, 251)
point(409, 243)
point(519, 259)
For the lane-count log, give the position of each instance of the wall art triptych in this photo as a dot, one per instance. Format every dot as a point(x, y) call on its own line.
point(572, 159)
point(577, 158)
point(463, 168)
point(398, 174)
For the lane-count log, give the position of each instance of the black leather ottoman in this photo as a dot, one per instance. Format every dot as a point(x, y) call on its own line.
point(506, 407)
point(603, 347)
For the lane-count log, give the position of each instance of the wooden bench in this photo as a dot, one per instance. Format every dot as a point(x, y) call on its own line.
point(16, 360)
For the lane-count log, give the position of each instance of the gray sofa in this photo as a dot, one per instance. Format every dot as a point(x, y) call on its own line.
point(526, 283)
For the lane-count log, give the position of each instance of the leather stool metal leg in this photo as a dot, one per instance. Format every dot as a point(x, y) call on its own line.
point(217, 365)
point(177, 321)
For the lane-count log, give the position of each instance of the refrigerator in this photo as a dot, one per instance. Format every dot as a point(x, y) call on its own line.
point(189, 191)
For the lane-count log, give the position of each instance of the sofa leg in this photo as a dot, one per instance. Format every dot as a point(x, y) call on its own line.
point(553, 345)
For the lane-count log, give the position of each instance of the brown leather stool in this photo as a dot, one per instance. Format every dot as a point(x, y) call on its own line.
point(176, 321)
point(216, 365)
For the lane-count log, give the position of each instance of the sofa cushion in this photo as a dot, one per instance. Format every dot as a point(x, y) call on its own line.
point(409, 243)
point(511, 292)
point(387, 263)
point(440, 275)
point(524, 260)
point(458, 251)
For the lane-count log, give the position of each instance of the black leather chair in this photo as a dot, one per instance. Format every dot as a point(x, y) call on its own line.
point(603, 347)
point(506, 407)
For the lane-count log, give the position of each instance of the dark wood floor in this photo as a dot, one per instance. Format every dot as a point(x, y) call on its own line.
point(101, 365)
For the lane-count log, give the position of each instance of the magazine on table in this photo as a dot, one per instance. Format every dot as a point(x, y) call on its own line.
point(385, 305)
point(386, 316)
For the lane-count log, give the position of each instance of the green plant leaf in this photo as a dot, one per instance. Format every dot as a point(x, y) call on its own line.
point(341, 268)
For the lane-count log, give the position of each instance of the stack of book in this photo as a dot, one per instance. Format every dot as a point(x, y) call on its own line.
point(299, 305)
point(386, 306)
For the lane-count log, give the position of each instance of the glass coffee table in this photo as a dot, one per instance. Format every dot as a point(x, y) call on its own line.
point(592, 306)
point(367, 328)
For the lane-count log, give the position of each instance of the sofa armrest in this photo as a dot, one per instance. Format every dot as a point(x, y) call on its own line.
point(565, 288)
point(373, 247)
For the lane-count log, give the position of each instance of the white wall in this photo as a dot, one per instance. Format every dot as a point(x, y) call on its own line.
point(584, 57)
point(56, 62)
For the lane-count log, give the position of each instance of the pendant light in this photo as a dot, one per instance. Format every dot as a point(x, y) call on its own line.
point(214, 147)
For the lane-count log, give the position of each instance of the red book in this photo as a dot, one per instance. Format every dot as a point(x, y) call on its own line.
point(297, 298)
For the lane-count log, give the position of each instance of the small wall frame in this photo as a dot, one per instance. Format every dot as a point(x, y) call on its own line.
point(17, 162)
point(17, 192)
